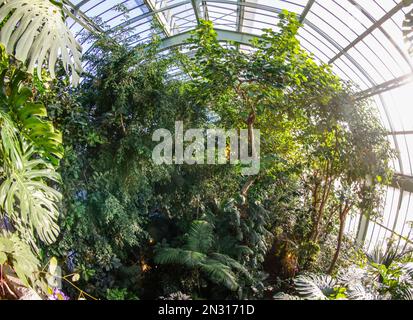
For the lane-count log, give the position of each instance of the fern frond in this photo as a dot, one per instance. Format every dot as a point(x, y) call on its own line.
point(200, 236)
point(179, 256)
point(220, 274)
point(232, 263)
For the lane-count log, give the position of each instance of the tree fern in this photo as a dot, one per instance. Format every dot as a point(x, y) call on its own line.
point(219, 268)
point(220, 274)
point(180, 256)
point(200, 237)
point(227, 260)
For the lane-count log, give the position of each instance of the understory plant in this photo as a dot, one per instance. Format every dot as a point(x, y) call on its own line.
point(33, 35)
point(197, 253)
point(384, 274)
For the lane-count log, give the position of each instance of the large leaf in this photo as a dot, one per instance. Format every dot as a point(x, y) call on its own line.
point(41, 131)
point(220, 274)
point(188, 258)
point(24, 194)
point(35, 33)
point(20, 257)
point(357, 291)
point(200, 237)
point(31, 118)
point(315, 287)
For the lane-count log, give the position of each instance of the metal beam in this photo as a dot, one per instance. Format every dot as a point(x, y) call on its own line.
point(385, 86)
point(347, 55)
point(151, 13)
point(205, 7)
point(222, 35)
point(306, 10)
point(197, 12)
point(73, 11)
point(368, 31)
point(165, 25)
point(390, 38)
point(400, 133)
point(240, 15)
point(184, 2)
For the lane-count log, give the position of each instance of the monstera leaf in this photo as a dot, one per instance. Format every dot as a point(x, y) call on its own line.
point(24, 194)
point(28, 200)
point(34, 31)
point(30, 117)
point(20, 257)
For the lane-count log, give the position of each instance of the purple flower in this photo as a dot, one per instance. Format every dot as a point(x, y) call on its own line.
point(58, 295)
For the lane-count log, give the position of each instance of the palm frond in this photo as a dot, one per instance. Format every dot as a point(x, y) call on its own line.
point(200, 236)
point(406, 293)
point(232, 263)
point(35, 33)
point(220, 274)
point(179, 256)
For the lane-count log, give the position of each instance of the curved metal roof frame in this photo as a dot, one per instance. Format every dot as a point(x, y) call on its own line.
point(361, 39)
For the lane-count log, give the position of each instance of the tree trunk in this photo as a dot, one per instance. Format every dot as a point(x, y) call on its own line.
point(250, 123)
point(251, 149)
point(339, 241)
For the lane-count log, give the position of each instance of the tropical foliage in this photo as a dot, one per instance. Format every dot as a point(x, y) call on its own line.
point(30, 146)
point(196, 253)
point(385, 274)
point(34, 31)
point(131, 229)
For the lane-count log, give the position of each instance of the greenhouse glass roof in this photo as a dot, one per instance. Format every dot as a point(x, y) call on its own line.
point(361, 39)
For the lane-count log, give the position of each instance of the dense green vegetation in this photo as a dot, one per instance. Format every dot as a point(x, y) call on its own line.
point(131, 229)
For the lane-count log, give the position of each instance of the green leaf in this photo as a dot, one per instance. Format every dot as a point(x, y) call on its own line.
point(3, 258)
point(76, 277)
point(53, 266)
